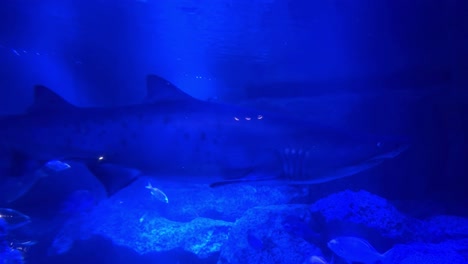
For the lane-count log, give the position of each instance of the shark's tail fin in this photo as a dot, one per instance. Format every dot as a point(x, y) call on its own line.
point(18, 173)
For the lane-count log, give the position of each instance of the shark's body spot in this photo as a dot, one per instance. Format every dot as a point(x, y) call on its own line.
point(83, 130)
point(140, 116)
point(197, 149)
point(102, 133)
point(203, 136)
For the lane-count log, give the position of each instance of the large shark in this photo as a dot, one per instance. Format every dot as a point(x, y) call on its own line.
point(175, 137)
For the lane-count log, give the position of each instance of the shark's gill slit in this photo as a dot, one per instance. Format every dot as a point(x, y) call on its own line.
point(294, 161)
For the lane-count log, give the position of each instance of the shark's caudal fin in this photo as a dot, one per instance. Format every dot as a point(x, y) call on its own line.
point(47, 100)
point(20, 171)
point(19, 164)
point(18, 174)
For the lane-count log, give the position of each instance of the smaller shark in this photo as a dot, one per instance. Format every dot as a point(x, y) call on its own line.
point(175, 137)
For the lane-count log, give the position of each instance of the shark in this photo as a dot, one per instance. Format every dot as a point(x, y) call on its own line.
point(175, 137)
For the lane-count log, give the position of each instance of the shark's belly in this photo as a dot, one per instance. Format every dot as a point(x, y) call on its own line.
point(198, 152)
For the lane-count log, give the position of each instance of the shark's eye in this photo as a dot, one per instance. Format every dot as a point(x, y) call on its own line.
point(101, 158)
point(379, 144)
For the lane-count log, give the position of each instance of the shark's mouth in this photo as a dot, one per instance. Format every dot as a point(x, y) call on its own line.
point(297, 169)
point(298, 166)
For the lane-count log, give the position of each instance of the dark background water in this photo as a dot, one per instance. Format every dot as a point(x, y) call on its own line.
point(396, 67)
point(389, 67)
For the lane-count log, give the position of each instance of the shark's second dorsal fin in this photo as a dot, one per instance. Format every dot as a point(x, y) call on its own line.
point(47, 100)
point(159, 89)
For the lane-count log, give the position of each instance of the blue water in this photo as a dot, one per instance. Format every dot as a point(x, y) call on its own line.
point(389, 68)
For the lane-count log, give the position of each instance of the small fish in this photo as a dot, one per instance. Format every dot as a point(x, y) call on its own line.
point(13, 219)
point(156, 193)
point(57, 165)
point(316, 260)
point(353, 249)
point(142, 218)
point(22, 246)
point(15, 52)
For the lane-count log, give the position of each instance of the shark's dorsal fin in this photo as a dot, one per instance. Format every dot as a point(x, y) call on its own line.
point(47, 100)
point(159, 89)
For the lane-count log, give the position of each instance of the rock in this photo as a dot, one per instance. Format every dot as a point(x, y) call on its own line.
point(143, 230)
point(260, 236)
point(362, 208)
point(445, 227)
point(202, 237)
point(440, 239)
point(187, 202)
point(226, 203)
point(450, 252)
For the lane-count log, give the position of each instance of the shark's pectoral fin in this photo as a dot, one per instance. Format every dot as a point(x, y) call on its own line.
point(244, 180)
point(252, 175)
point(113, 177)
point(226, 182)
